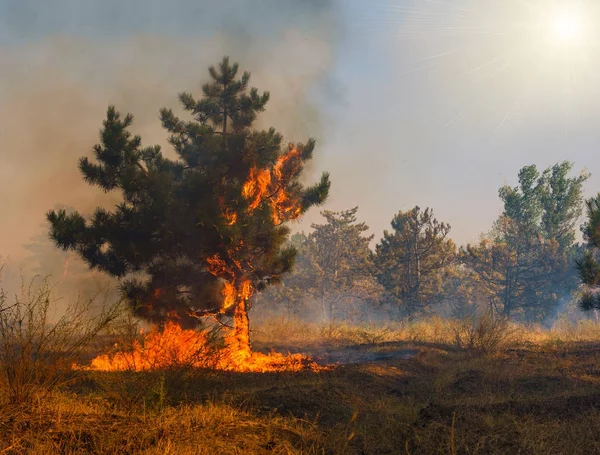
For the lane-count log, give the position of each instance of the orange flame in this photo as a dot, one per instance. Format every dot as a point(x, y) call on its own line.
point(228, 296)
point(172, 347)
point(176, 347)
point(231, 294)
point(256, 187)
point(216, 265)
point(269, 186)
point(229, 215)
point(230, 218)
point(246, 290)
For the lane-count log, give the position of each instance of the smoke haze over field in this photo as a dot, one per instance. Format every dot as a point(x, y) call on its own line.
point(412, 102)
point(64, 64)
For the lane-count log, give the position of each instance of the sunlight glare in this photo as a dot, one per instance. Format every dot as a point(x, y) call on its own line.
point(568, 28)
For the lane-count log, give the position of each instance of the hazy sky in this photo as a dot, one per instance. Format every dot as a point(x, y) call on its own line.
point(413, 102)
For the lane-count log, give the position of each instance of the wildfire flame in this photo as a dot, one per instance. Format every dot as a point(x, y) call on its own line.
point(230, 217)
point(177, 347)
point(262, 186)
point(231, 295)
point(269, 186)
point(174, 346)
point(256, 187)
point(217, 266)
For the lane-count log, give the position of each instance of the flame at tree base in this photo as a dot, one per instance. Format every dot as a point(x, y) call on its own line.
point(176, 347)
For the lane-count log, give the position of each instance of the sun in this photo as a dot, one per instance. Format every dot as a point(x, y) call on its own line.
point(567, 28)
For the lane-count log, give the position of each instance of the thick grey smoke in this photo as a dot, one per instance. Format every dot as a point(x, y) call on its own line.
point(64, 62)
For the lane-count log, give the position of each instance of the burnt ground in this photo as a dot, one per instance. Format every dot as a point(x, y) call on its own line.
point(343, 355)
point(327, 353)
point(366, 353)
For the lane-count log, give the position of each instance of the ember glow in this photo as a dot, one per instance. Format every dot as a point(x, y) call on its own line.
point(229, 215)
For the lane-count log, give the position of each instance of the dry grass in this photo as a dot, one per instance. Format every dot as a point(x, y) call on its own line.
point(38, 345)
point(65, 425)
point(480, 335)
point(496, 389)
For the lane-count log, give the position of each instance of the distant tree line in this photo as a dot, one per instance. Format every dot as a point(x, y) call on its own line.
point(524, 268)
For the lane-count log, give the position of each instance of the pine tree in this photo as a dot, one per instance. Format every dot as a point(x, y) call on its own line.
point(333, 273)
point(515, 271)
point(333, 269)
point(199, 234)
point(412, 260)
point(588, 266)
point(298, 287)
point(66, 271)
point(343, 258)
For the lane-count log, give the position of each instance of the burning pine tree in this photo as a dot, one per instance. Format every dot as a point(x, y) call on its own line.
point(198, 235)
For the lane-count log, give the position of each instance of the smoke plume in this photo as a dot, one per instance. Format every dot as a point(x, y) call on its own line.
point(64, 62)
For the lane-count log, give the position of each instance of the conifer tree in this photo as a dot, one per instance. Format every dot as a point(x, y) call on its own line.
point(198, 234)
point(412, 260)
point(589, 266)
point(333, 270)
point(341, 252)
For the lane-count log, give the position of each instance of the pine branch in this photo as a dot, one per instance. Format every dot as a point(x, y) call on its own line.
point(139, 165)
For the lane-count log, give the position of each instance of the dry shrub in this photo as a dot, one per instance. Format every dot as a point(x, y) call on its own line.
point(36, 353)
point(346, 334)
point(337, 334)
point(298, 333)
point(485, 334)
point(373, 334)
point(481, 333)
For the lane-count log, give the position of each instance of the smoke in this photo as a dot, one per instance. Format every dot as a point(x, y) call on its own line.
point(64, 62)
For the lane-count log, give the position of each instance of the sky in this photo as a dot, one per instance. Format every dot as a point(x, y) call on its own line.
point(412, 102)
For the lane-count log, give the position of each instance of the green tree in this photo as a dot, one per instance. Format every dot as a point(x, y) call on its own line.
point(195, 235)
point(343, 257)
point(588, 266)
point(67, 272)
point(514, 271)
point(526, 262)
point(298, 287)
point(561, 199)
point(333, 273)
point(464, 295)
point(412, 260)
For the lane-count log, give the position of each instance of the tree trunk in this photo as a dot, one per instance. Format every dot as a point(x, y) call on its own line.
point(323, 300)
point(239, 341)
point(330, 317)
point(417, 266)
point(507, 294)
